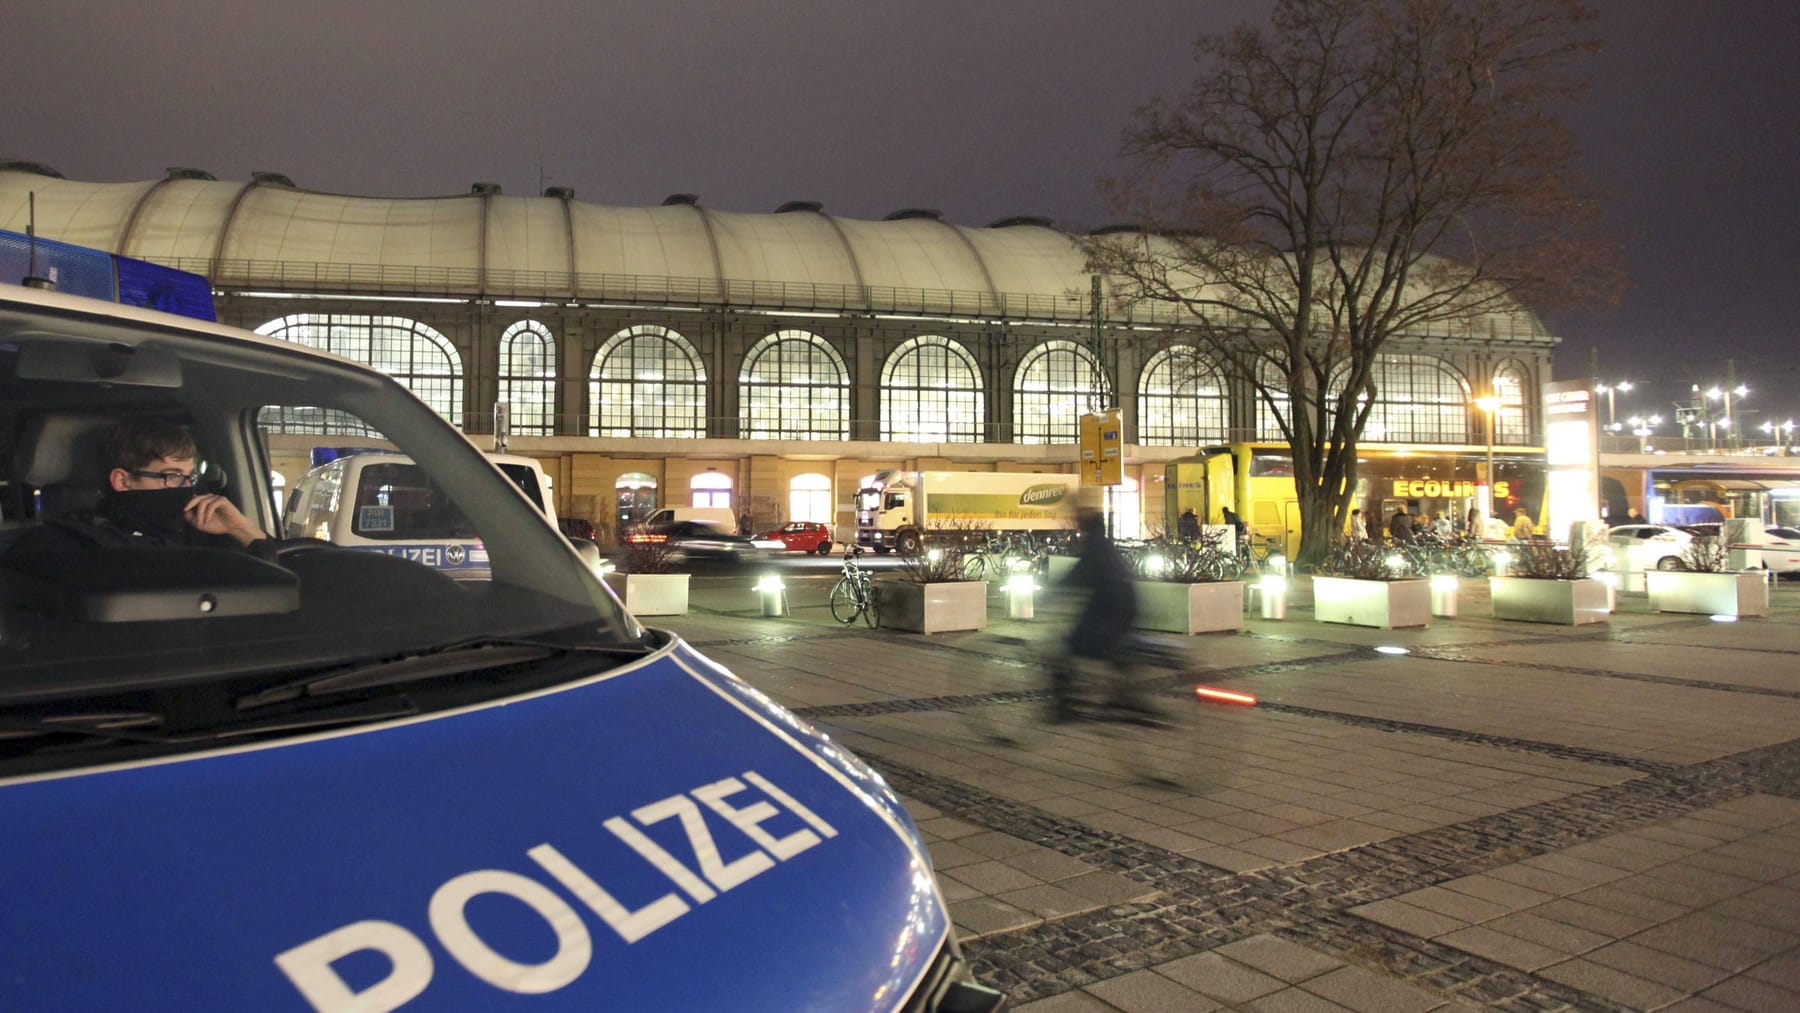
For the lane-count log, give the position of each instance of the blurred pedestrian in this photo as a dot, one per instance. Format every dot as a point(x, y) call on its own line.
point(1472, 525)
point(1359, 528)
point(1102, 631)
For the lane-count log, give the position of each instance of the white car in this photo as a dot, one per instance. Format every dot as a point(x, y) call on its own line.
point(1647, 547)
point(1775, 549)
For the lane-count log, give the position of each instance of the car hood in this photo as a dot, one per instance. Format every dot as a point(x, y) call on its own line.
point(654, 837)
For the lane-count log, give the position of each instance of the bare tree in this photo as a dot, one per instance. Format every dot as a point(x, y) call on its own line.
point(1356, 170)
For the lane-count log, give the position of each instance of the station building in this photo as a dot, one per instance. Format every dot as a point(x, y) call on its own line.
point(767, 362)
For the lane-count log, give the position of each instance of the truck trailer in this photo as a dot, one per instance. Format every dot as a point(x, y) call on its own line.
point(900, 510)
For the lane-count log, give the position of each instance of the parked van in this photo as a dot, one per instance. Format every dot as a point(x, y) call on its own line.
point(719, 517)
point(306, 776)
point(383, 502)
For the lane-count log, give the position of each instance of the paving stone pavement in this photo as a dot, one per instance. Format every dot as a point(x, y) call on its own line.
point(1511, 816)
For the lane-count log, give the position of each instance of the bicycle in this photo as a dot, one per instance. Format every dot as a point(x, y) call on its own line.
point(854, 594)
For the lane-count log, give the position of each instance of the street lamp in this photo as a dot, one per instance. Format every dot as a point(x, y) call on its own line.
point(1716, 394)
point(1489, 404)
point(1611, 389)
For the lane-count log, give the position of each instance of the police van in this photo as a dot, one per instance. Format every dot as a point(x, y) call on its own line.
point(306, 776)
point(385, 502)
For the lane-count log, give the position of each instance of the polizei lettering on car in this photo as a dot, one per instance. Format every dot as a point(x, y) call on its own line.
point(756, 810)
point(534, 852)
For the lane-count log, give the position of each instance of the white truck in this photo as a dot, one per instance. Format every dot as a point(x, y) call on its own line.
point(899, 509)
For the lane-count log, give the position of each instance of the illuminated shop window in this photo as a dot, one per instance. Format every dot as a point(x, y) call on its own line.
point(647, 381)
point(528, 377)
point(711, 489)
point(421, 359)
point(809, 499)
point(1181, 399)
point(1058, 382)
point(794, 387)
point(931, 393)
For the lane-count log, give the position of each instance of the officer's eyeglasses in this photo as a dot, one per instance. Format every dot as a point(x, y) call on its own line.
point(169, 479)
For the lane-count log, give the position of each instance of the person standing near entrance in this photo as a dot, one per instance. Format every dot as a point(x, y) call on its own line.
point(1522, 527)
point(1400, 528)
point(1187, 527)
point(1359, 528)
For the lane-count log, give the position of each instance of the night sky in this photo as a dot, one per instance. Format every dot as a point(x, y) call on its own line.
point(981, 109)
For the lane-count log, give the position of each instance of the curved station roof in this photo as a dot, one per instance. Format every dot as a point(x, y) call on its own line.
point(270, 234)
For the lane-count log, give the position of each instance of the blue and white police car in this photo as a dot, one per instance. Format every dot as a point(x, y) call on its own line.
point(311, 777)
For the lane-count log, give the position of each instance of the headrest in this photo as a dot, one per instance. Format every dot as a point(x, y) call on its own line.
point(58, 449)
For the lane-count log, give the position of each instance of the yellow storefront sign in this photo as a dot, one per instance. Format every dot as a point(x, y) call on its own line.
point(1431, 488)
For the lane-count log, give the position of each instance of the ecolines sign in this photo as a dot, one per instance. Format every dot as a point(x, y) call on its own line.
point(1431, 487)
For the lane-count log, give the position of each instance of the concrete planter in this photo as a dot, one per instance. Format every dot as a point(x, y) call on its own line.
point(1565, 602)
point(1190, 608)
point(652, 594)
point(1716, 594)
point(933, 608)
point(1383, 604)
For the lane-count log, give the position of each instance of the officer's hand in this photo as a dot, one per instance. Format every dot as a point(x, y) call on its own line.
point(217, 515)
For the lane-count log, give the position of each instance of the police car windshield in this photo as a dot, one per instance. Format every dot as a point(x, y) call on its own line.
point(408, 541)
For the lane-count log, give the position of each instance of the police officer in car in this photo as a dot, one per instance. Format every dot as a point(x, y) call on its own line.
point(150, 501)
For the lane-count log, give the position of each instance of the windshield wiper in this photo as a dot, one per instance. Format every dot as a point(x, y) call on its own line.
point(454, 659)
point(125, 727)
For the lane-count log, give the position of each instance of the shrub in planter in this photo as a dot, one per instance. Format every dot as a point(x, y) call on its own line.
point(933, 593)
point(647, 581)
point(1189, 586)
point(1366, 584)
point(1705, 586)
point(1549, 583)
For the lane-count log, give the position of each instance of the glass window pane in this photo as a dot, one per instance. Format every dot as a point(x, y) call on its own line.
point(931, 393)
point(1057, 383)
point(528, 377)
point(647, 382)
point(793, 387)
point(421, 359)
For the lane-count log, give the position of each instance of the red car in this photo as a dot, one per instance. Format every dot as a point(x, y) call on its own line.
point(806, 536)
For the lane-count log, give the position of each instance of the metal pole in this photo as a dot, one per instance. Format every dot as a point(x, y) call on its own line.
point(1490, 469)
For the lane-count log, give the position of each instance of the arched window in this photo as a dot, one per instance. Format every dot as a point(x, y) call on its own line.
point(1268, 422)
point(424, 361)
point(711, 489)
point(931, 393)
point(809, 499)
point(1510, 425)
point(647, 381)
point(1181, 399)
point(1418, 399)
point(793, 387)
point(1057, 383)
point(528, 377)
